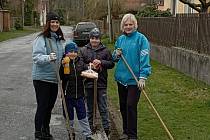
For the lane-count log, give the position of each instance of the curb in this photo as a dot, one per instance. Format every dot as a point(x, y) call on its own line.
point(116, 121)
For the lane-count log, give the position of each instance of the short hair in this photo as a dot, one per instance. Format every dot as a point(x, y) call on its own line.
point(127, 17)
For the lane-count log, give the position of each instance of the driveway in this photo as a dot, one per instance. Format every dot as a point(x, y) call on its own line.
point(17, 96)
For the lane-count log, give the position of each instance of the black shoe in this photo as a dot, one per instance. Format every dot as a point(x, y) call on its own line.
point(124, 137)
point(46, 134)
point(38, 135)
point(107, 131)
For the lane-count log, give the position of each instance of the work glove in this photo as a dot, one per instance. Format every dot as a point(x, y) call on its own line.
point(52, 57)
point(118, 52)
point(141, 83)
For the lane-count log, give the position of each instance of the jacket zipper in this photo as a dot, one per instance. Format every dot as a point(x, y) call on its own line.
point(66, 87)
point(75, 73)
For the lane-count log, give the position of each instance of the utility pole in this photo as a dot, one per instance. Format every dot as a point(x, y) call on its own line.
point(110, 21)
point(23, 17)
point(174, 3)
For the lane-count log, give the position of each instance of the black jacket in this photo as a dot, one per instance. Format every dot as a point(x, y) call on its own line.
point(88, 54)
point(73, 83)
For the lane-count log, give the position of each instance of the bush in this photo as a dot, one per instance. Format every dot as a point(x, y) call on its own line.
point(152, 11)
point(18, 24)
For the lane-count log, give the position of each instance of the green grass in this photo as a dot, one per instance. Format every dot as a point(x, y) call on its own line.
point(182, 102)
point(16, 33)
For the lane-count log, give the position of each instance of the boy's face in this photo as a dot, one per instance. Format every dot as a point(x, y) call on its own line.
point(95, 41)
point(72, 54)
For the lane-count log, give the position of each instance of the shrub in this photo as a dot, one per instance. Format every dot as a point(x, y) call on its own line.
point(18, 24)
point(152, 11)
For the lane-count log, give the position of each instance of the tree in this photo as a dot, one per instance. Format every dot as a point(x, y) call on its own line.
point(202, 7)
point(3, 4)
point(152, 11)
point(28, 12)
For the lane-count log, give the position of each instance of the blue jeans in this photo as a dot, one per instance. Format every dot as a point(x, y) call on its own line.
point(79, 105)
point(102, 106)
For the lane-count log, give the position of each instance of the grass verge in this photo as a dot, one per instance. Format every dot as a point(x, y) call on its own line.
point(182, 102)
point(16, 33)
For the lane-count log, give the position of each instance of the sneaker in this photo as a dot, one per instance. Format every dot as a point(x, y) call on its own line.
point(73, 136)
point(124, 137)
point(90, 138)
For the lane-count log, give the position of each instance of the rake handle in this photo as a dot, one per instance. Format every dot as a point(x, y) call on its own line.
point(64, 103)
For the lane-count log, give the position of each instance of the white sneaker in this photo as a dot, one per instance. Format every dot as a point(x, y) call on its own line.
point(124, 137)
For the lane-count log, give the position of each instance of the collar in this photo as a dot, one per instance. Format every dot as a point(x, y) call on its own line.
point(131, 34)
point(101, 46)
point(54, 35)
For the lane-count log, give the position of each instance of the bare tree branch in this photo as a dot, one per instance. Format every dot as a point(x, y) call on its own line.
point(192, 5)
point(208, 4)
point(203, 2)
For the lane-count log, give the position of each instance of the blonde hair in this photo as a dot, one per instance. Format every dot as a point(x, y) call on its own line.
point(127, 17)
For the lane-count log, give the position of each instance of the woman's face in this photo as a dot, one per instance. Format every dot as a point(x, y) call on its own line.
point(128, 26)
point(54, 25)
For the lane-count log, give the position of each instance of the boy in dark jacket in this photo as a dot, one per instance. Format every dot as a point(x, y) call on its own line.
point(73, 87)
point(101, 59)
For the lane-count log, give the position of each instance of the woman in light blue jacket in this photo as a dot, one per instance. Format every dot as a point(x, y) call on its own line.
point(46, 54)
point(135, 48)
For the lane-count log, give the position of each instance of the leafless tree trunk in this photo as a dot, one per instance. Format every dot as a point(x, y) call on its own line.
point(1, 4)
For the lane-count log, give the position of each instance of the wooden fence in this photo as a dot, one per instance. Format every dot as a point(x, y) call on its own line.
point(4, 20)
point(189, 31)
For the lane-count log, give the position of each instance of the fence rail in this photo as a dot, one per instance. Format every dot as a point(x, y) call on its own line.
point(189, 31)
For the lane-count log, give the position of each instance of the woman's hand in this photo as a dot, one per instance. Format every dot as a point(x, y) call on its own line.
point(141, 83)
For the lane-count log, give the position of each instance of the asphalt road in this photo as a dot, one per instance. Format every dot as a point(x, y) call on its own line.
point(17, 96)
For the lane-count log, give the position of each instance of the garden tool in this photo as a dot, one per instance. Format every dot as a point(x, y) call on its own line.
point(68, 127)
point(93, 75)
point(70, 130)
point(145, 94)
point(98, 135)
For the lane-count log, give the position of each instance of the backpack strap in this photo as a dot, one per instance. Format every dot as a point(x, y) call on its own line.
point(50, 44)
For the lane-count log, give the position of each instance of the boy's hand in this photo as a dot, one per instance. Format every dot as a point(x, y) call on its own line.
point(118, 52)
point(96, 64)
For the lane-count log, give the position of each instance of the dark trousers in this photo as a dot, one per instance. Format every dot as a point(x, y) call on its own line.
point(46, 94)
point(102, 106)
point(129, 98)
